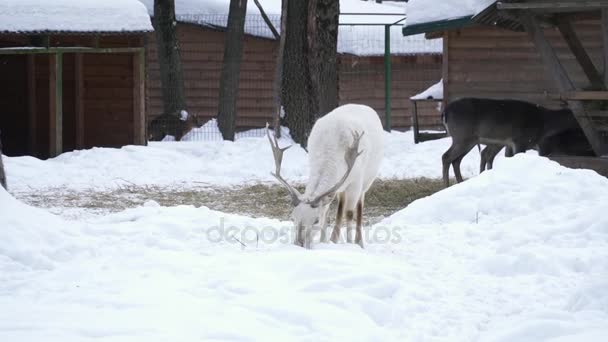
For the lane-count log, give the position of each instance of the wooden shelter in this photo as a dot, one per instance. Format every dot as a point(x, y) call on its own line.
point(73, 80)
point(549, 52)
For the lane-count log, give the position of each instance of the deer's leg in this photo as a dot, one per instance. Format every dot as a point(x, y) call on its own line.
point(359, 233)
point(492, 155)
point(484, 159)
point(351, 198)
point(323, 222)
point(299, 236)
point(350, 215)
point(456, 162)
point(518, 148)
point(335, 234)
point(446, 160)
point(508, 151)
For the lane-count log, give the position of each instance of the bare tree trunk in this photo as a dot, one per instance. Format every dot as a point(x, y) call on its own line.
point(278, 72)
point(172, 81)
point(310, 75)
point(231, 67)
point(297, 92)
point(323, 37)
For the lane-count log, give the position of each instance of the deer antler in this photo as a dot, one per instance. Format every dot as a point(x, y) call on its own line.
point(277, 152)
point(350, 156)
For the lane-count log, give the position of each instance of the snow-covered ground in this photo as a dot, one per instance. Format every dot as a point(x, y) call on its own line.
point(211, 163)
point(516, 254)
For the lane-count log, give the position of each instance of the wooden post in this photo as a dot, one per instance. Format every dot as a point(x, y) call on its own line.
point(605, 43)
point(415, 122)
point(445, 67)
point(139, 116)
point(387, 78)
point(79, 99)
point(557, 71)
point(31, 107)
point(55, 104)
point(578, 50)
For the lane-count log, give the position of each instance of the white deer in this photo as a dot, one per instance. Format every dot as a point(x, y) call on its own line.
point(345, 149)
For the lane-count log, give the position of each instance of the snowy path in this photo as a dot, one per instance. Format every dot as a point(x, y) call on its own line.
point(517, 254)
point(216, 163)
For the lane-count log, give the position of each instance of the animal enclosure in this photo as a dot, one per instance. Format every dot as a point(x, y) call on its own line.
point(362, 73)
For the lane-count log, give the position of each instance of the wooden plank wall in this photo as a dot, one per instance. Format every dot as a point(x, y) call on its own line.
point(108, 99)
point(13, 105)
point(496, 63)
point(202, 51)
point(361, 79)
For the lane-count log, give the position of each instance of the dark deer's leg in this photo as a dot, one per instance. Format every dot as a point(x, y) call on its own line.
point(456, 166)
point(446, 160)
point(456, 162)
point(484, 159)
point(492, 155)
point(335, 234)
point(359, 234)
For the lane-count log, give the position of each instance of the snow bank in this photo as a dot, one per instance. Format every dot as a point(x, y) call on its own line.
point(212, 163)
point(425, 11)
point(358, 40)
point(73, 16)
point(517, 254)
point(31, 238)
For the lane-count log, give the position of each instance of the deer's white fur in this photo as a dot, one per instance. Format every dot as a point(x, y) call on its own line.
point(331, 136)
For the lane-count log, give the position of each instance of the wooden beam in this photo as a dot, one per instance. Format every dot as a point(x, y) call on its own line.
point(578, 50)
point(31, 105)
point(55, 104)
point(564, 84)
point(585, 95)
point(139, 106)
point(605, 44)
point(79, 99)
point(554, 6)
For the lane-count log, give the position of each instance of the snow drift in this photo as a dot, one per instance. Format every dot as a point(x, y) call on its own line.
point(519, 253)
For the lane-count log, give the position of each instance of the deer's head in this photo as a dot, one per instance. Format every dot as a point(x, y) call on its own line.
point(306, 212)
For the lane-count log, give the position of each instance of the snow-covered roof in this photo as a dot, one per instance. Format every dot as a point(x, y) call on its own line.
point(74, 16)
point(434, 92)
point(359, 40)
point(428, 11)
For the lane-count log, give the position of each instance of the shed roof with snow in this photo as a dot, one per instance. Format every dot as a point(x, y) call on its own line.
point(73, 16)
point(426, 15)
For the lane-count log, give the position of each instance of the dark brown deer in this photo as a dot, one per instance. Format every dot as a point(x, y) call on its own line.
point(175, 124)
point(2, 174)
point(517, 124)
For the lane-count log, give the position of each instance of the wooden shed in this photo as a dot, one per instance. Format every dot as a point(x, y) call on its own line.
point(361, 69)
point(74, 79)
point(548, 52)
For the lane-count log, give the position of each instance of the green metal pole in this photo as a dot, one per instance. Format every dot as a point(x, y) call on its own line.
point(387, 77)
point(58, 148)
